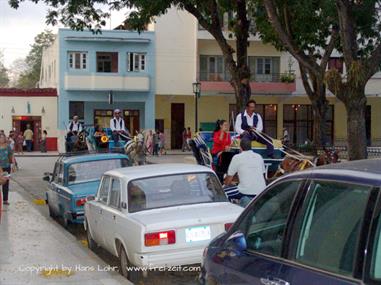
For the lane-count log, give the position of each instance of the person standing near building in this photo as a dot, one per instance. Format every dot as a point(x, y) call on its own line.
point(19, 143)
point(156, 142)
point(28, 136)
point(7, 161)
point(118, 127)
point(43, 141)
point(149, 142)
point(162, 143)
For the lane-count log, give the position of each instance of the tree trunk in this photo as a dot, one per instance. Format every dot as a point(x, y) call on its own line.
point(319, 110)
point(356, 132)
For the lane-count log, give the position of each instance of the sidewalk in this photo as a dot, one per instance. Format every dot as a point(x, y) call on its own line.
point(37, 154)
point(34, 250)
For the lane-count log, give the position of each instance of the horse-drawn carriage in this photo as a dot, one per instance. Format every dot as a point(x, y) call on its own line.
point(90, 139)
point(285, 159)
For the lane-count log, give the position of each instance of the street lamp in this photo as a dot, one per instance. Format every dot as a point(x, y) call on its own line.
point(197, 93)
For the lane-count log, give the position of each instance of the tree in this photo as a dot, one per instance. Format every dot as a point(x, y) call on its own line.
point(358, 28)
point(4, 79)
point(360, 37)
point(82, 14)
point(17, 68)
point(311, 38)
point(30, 77)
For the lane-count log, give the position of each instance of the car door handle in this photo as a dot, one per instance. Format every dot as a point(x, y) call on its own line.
point(274, 281)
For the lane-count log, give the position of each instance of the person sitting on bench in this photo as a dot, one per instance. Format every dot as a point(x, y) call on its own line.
point(249, 123)
point(250, 168)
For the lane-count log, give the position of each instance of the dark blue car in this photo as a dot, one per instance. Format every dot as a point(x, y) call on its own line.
point(74, 178)
point(316, 227)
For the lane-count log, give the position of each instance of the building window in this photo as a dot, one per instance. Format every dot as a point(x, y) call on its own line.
point(264, 69)
point(136, 61)
point(298, 120)
point(212, 68)
point(107, 62)
point(336, 63)
point(102, 118)
point(77, 108)
point(77, 60)
point(132, 120)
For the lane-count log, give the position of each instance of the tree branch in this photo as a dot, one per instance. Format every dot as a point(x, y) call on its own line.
point(286, 39)
point(329, 49)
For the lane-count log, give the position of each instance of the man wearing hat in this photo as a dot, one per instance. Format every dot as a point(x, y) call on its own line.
point(118, 127)
point(75, 125)
point(73, 129)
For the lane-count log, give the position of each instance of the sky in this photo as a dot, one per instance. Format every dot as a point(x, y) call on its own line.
point(19, 27)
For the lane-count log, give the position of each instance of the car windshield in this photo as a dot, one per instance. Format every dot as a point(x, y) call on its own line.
point(173, 190)
point(92, 170)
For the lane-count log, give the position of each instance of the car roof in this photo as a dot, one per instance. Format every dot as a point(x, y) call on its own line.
point(151, 170)
point(93, 157)
point(366, 171)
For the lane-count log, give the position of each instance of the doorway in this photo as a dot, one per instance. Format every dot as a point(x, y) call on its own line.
point(177, 125)
point(20, 124)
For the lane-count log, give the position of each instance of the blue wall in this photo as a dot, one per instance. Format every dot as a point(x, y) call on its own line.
point(144, 101)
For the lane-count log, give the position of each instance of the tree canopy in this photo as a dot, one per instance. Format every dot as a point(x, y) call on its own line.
point(4, 78)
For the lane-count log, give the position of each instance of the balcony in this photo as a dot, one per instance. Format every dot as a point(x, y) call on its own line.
point(102, 82)
point(274, 83)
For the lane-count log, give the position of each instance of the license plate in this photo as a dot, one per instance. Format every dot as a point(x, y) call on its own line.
point(197, 234)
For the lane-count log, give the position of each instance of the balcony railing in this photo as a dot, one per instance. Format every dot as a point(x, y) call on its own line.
point(272, 77)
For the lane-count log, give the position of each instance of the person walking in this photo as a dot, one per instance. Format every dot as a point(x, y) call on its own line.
point(43, 141)
point(162, 143)
point(28, 136)
point(19, 143)
point(185, 145)
point(149, 142)
point(7, 161)
point(156, 143)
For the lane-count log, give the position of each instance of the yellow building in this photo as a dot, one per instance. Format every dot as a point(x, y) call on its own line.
point(185, 54)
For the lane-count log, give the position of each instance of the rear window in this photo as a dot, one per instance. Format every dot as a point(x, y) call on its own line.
point(92, 170)
point(173, 190)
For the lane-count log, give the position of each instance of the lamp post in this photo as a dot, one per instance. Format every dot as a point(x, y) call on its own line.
point(197, 92)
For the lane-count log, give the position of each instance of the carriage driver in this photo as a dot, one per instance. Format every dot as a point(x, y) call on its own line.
point(74, 126)
point(249, 120)
point(118, 127)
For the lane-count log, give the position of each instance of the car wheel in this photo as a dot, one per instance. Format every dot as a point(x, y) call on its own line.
point(91, 244)
point(66, 222)
point(133, 275)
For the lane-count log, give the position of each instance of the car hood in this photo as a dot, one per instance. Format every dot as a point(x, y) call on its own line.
point(85, 188)
point(180, 216)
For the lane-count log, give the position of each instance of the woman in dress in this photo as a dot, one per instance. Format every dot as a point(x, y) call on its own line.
point(221, 145)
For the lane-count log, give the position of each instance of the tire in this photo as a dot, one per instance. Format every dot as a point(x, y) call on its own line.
point(66, 222)
point(91, 244)
point(133, 276)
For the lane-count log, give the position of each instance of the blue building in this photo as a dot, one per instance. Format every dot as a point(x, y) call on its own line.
point(96, 73)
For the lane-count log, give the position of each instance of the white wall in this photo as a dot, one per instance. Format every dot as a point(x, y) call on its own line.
point(50, 59)
point(176, 53)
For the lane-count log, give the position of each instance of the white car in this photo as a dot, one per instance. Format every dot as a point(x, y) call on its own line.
point(157, 216)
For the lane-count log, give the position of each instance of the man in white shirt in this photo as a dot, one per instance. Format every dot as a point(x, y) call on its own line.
point(118, 127)
point(249, 120)
point(74, 125)
point(250, 168)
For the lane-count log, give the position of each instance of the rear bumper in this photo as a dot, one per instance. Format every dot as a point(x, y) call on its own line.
point(76, 217)
point(169, 259)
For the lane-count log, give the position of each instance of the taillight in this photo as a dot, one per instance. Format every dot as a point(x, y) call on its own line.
point(160, 238)
point(80, 202)
point(228, 226)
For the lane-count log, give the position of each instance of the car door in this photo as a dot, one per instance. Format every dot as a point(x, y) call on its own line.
point(373, 262)
point(326, 243)
point(263, 225)
point(55, 187)
point(96, 209)
point(112, 215)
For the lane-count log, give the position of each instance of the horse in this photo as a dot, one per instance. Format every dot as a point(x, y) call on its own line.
point(135, 149)
point(327, 157)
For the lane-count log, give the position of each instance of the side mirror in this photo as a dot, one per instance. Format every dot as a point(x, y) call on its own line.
point(46, 178)
point(237, 242)
point(90, 198)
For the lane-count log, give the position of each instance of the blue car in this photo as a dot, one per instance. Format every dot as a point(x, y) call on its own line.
point(74, 178)
point(316, 227)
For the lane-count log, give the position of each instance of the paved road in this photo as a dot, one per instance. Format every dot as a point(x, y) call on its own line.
point(30, 179)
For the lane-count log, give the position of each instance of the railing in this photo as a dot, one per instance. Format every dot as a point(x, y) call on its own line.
point(225, 76)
